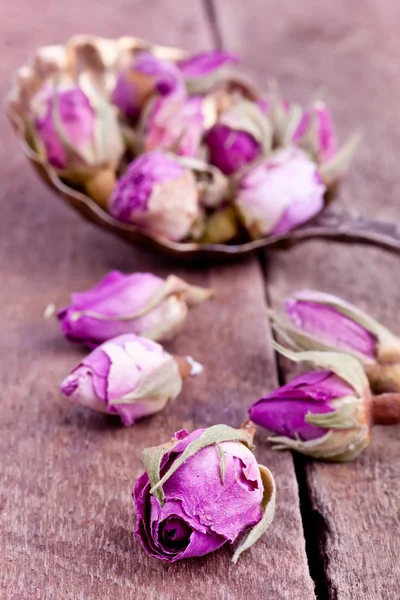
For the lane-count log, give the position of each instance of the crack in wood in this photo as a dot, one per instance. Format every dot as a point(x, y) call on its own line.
point(211, 17)
point(315, 527)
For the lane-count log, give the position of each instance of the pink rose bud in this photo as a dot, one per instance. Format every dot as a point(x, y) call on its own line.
point(128, 376)
point(141, 303)
point(316, 133)
point(79, 135)
point(201, 491)
point(240, 135)
point(146, 76)
point(173, 122)
point(204, 70)
point(157, 194)
point(280, 194)
point(326, 414)
point(319, 321)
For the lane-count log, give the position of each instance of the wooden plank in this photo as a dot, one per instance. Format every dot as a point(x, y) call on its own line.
point(66, 514)
point(347, 48)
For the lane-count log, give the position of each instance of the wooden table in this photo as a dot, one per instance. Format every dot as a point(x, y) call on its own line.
point(66, 516)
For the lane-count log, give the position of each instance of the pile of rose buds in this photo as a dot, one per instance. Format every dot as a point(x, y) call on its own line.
point(184, 152)
point(326, 413)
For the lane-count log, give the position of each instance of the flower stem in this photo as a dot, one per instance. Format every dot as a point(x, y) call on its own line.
point(187, 366)
point(385, 409)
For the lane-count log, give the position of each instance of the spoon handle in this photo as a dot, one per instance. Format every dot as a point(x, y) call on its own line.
point(344, 227)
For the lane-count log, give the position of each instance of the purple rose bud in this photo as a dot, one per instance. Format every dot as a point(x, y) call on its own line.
point(128, 376)
point(141, 303)
point(203, 70)
point(78, 133)
point(280, 194)
point(200, 491)
point(157, 194)
point(146, 76)
point(319, 321)
point(76, 115)
point(316, 133)
point(315, 313)
point(173, 122)
point(240, 135)
point(284, 410)
point(230, 150)
point(325, 414)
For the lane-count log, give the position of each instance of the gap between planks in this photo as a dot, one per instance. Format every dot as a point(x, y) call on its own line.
point(314, 536)
point(314, 524)
point(212, 21)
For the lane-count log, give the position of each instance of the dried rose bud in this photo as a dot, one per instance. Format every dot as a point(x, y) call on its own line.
point(157, 194)
point(200, 491)
point(128, 376)
point(326, 414)
point(146, 76)
point(280, 194)
point(175, 123)
point(321, 321)
point(241, 134)
point(203, 70)
point(79, 135)
point(316, 133)
point(140, 303)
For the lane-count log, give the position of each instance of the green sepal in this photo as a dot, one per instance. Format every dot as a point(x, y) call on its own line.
point(213, 186)
point(343, 417)
point(222, 463)
point(333, 171)
point(211, 436)
point(268, 510)
point(161, 384)
point(152, 459)
point(301, 340)
point(247, 116)
point(344, 366)
point(334, 446)
point(196, 86)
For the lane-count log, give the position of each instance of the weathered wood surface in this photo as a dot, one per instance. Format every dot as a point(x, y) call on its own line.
point(350, 48)
point(66, 515)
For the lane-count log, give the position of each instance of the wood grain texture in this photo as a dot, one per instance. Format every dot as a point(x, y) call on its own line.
point(350, 49)
point(66, 515)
